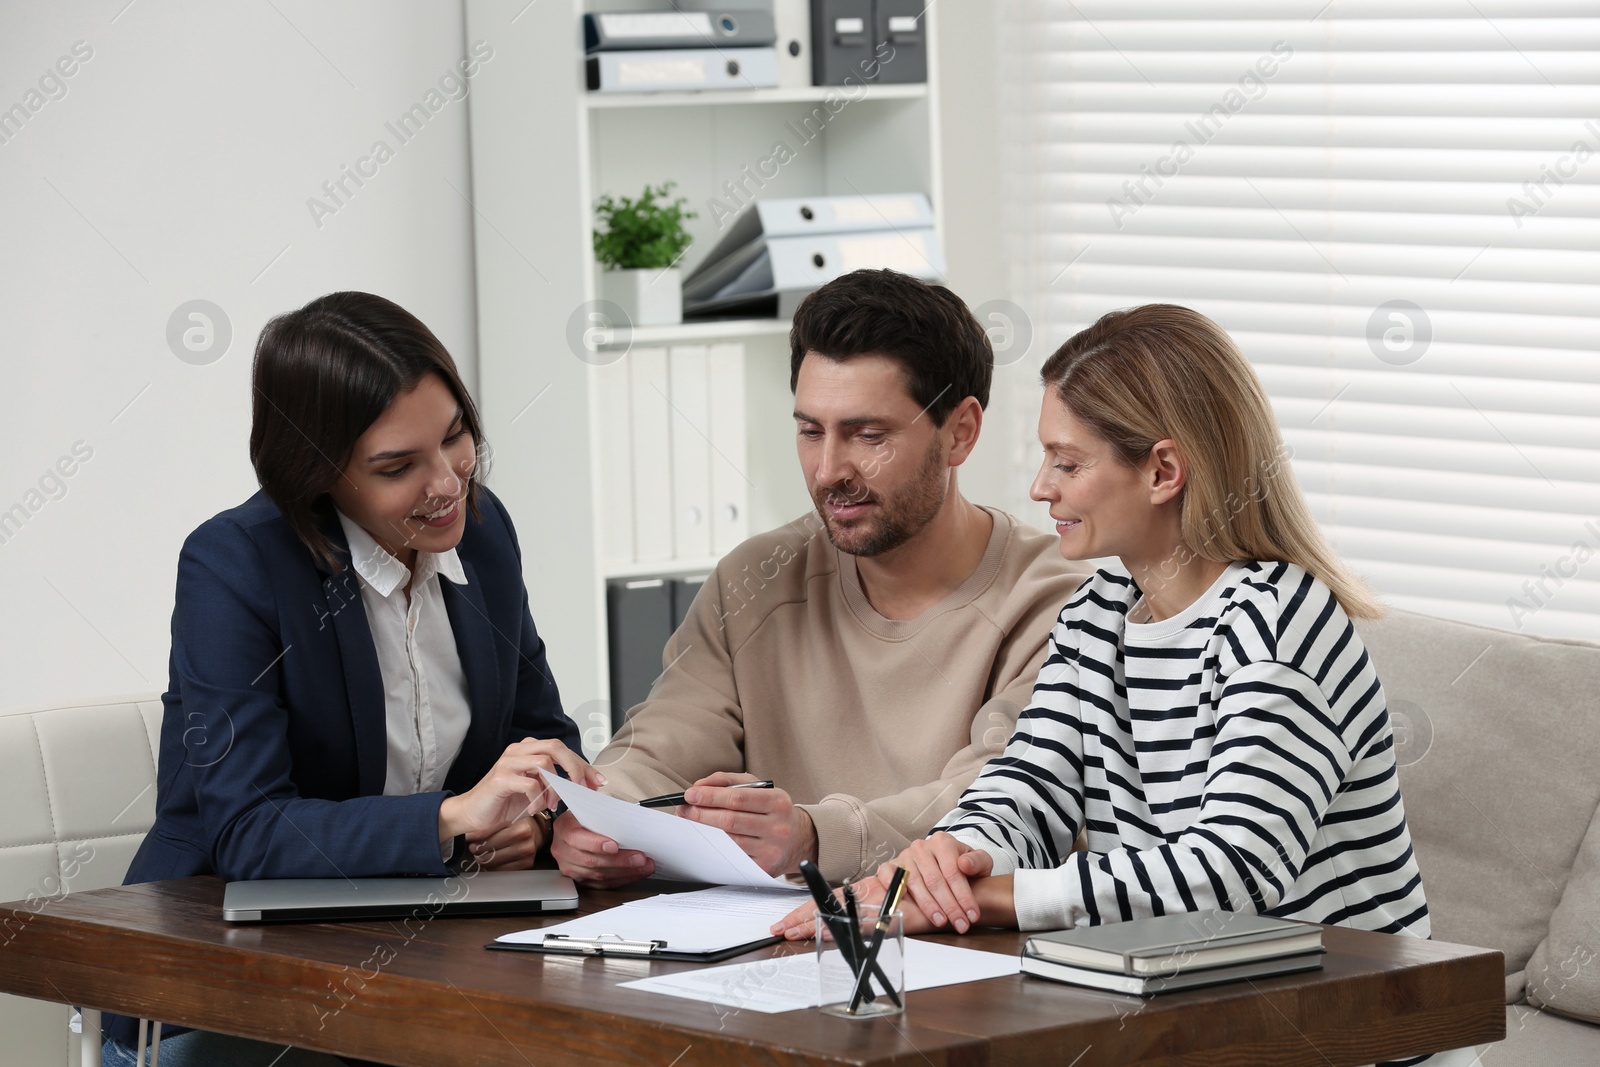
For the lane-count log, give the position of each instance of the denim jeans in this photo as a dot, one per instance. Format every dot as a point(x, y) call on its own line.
point(198, 1048)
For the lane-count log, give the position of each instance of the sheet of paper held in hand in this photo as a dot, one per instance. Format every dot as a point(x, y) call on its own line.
point(684, 851)
point(708, 920)
point(788, 983)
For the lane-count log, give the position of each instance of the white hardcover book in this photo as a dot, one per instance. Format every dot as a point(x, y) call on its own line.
point(615, 393)
point(691, 451)
point(730, 485)
point(652, 454)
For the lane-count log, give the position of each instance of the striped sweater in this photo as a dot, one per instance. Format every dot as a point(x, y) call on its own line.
point(1235, 756)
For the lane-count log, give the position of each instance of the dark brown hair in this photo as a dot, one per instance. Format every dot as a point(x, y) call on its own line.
point(940, 346)
point(322, 376)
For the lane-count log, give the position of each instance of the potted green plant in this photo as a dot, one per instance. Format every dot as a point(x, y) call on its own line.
point(639, 242)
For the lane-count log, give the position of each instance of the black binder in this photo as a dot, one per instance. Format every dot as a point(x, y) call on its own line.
point(841, 41)
point(900, 25)
point(639, 620)
point(683, 594)
point(855, 41)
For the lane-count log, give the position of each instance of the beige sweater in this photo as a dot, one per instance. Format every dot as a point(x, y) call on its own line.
point(783, 669)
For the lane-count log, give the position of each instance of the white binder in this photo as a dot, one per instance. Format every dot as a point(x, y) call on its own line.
point(780, 272)
point(792, 21)
point(670, 69)
point(730, 466)
point(691, 451)
point(779, 250)
point(614, 391)
point(652, 455)
point(791, 215)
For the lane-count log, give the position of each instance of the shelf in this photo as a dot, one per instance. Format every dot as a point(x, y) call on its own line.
point(719, 97)
point(676, 568)
point(718, 329)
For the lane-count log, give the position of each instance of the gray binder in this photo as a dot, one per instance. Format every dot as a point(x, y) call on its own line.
point(711, 27)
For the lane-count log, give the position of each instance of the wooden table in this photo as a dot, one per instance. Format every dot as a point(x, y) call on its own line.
point(427, 993)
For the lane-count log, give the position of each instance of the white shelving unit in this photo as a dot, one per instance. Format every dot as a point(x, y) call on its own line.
point(543, 149)
point(685, 333)
point(813, 94)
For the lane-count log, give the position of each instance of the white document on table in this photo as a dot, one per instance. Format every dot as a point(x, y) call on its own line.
point(684, 851)
point(789, 983)
point(706, 921)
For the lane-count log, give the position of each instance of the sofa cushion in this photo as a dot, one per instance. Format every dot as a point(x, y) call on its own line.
point(1497, 747)
point(1539, 1039)
point(1564, 972)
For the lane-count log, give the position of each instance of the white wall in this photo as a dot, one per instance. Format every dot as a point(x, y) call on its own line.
point(178, 166)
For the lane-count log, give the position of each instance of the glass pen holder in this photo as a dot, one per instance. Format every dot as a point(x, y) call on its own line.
point(862, 967)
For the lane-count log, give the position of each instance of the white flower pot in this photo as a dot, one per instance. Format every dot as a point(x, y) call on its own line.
point(648, 297)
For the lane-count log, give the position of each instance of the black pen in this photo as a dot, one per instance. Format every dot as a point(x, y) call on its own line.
point(672, 800)
point(830, 914)
point(826, 904)
point(852, 954)
point(886, 910)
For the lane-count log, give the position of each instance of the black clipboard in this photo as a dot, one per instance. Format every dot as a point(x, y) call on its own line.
point(622, 948)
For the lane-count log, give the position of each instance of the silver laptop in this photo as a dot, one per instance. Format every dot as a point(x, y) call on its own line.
point(335, 899)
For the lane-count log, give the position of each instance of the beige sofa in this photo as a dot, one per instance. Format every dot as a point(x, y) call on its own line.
point(1498, 736)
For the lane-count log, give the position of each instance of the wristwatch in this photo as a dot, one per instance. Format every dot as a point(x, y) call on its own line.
point(547, 820)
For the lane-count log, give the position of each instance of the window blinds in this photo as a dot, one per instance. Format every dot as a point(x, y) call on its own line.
point(1394, 208)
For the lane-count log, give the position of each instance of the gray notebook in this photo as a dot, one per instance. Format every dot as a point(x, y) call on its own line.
point(1140, 985)
point(335, 899)
point(1166, 943)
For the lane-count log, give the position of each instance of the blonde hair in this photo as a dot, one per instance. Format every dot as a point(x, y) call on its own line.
point(1160, 371)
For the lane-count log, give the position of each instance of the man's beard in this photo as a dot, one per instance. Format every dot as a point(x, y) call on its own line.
point(891, 522)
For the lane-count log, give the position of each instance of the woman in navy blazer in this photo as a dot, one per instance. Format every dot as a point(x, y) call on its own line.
point(273, 739)
point(275, 742)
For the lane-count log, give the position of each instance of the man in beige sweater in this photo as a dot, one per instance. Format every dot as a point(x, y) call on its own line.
point(869, 658)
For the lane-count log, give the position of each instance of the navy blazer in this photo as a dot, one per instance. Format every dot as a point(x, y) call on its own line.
point(273, 743)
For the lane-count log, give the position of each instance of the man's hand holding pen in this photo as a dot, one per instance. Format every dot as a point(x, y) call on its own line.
point(764, 821)
point(761, 819)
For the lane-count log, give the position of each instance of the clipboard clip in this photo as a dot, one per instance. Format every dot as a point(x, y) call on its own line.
point(602, 945)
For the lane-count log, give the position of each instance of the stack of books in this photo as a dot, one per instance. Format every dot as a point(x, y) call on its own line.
point(1172, 952)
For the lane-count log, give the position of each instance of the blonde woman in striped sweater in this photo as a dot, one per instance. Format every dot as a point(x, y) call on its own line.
point(1207, 715)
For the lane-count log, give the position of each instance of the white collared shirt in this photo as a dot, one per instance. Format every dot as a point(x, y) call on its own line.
point(424, 688)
